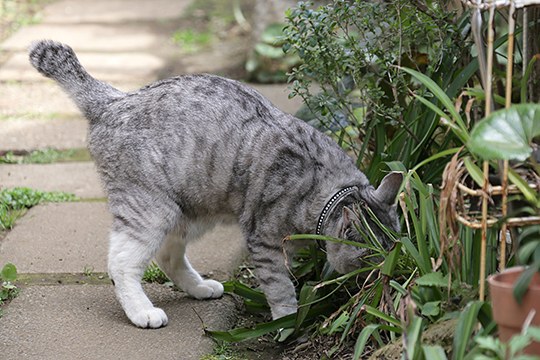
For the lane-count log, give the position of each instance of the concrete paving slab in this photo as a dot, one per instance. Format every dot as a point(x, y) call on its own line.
point(61, 133)
point(69, 237)
point(88, 37)
point(44, 99)
point(58, 133)
point(76, 322)
point(59, 238)
point(79, 178)
point(136, 67)
point(112, 11)
point(40, 100)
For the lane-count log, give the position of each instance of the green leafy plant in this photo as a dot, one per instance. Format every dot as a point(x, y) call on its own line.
point(390, 76)
point(360, 310)
point(153, 274)
point(15, 201)
point(8, 158)
point(8, 290)
point(88, 270)
point(469, 343)
point(315, 294)
point(506, 134)
point(418, 344)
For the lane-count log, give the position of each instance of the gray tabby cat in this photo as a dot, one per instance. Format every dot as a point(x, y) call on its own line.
point(180, 155)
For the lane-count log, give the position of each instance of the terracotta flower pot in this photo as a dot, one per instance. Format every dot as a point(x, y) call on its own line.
point(510, 315)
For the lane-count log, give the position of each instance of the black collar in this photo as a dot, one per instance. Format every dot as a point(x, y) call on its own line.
point(330, 205)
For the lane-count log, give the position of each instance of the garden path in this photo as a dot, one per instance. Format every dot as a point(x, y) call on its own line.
point(66, 308)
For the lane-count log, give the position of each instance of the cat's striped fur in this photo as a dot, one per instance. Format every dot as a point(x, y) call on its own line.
point(181, 154)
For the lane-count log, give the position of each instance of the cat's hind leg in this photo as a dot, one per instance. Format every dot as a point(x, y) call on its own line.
point(136, 235)
point(127, 261)
point(172, 259)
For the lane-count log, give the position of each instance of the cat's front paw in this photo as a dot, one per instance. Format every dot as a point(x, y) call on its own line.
point(207, 289)
point(149, 318)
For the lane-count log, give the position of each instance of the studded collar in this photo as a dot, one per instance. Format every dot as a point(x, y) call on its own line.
point(330, 205)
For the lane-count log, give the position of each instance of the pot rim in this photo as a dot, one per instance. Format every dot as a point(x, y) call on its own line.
point(494, 279)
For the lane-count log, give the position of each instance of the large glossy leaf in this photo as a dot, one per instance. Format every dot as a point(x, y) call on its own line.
point(506, 134)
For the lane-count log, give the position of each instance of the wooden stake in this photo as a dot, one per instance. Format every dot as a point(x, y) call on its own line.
point(488, 89)
point(508, 103)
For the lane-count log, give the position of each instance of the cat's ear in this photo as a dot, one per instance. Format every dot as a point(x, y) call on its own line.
point(347, 217)
point(388, 189)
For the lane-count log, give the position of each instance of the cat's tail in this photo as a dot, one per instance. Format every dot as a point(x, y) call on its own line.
point(56, 61)
point(59, 62)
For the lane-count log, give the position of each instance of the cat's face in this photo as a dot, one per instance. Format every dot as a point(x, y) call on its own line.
point(346, 258)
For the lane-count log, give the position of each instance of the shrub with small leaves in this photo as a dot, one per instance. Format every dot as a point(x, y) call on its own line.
point(354, 50)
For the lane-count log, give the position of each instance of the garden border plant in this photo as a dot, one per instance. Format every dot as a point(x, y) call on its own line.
point(395, 107)
point(421, 281)
point(375, 308)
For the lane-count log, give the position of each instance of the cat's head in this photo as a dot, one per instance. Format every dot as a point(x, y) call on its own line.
point(379, 202)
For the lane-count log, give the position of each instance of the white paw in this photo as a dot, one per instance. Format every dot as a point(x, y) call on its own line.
point(207, 289)
point(151, 318)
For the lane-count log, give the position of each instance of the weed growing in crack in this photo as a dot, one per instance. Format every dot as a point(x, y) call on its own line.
point(8, 290)
point(15, 201)
point(153, 274)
